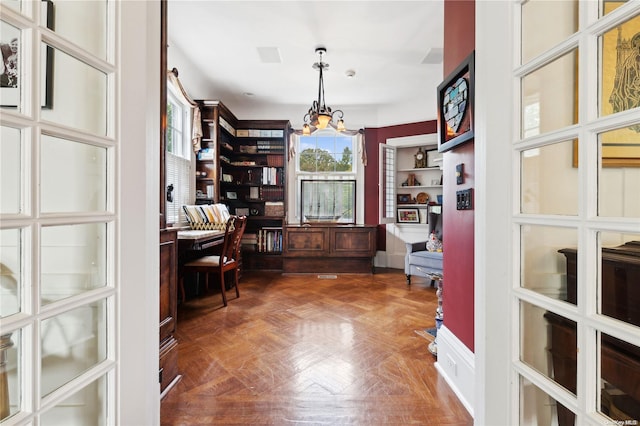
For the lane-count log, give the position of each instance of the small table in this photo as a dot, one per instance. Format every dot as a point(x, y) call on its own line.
point(437, 277)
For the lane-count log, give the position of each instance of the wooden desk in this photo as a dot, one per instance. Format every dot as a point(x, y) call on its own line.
point(193, 244)
point(199, 240)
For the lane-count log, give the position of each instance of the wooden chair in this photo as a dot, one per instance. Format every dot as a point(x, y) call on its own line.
point(228, 260)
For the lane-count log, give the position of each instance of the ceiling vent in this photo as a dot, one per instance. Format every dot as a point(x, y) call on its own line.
point(269, 55)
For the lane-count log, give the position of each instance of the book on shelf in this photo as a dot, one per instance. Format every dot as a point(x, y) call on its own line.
point(259, 133)
point(272, 175)
point(269, 240)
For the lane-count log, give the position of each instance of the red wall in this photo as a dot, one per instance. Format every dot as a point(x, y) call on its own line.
point(374, 137)
point(457, 225)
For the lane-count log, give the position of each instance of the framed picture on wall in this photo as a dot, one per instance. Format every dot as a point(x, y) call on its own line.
point(408, 216)
point(10, 76)
point(434, 158)
point(455, 106)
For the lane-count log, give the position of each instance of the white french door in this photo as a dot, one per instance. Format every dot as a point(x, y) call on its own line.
point(66, 272)
point(573, 146)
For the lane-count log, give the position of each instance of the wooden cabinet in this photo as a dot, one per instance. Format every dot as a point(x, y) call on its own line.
point(619, 360)
point(168, 373)
point(329, 248)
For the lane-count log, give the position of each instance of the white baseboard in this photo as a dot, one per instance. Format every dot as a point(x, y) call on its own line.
point(381, 259)
point(456, 364)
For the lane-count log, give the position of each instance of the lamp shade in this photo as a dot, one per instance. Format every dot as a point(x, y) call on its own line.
point(323, 120)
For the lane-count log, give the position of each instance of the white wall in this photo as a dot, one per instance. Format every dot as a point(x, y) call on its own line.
point(138, 205)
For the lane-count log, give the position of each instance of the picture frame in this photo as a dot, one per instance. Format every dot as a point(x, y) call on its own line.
point(408, 215)
point(434, 158)
point(10, 81)
point(403, 198)
point(232, 195)
point(618, 147)
point(455, 97)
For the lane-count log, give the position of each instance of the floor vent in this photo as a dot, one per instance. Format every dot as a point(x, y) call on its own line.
point(327, 277)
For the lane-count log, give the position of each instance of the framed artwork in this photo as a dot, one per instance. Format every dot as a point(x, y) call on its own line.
point(434, 158)
point(231, 195)
point(404, 198)
point(10, 74)
point(455, 106)
point(619, 81)
point(408, 216)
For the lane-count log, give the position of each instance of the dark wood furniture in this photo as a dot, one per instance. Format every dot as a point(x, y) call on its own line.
point(216, 122)
point(168, 374)
point(248, 173)
point(329, 248)
point(620, 361)
point(193, 244)
point(168, 369)
point(227, 261)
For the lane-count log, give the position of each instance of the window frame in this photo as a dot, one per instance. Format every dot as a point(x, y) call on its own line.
point(357, 174)
point(180, 155)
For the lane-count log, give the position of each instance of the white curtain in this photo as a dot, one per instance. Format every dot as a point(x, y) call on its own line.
point(196, 125)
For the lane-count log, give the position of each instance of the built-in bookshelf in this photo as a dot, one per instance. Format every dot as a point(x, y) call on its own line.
point(248, 172)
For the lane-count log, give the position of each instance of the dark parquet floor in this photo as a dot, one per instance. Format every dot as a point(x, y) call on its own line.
point(304, 350)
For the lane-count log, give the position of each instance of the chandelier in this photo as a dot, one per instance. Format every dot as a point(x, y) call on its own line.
point(320, 115)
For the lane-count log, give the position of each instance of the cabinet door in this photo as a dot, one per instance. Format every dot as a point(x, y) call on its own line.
point(353, 242)
point(306, 241)
point(168, 293)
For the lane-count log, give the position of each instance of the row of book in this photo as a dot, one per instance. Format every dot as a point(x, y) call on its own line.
point(259, 133)
point(269, 146)
point(275, 160)
point(272, 176)
point(270, 193)
point(266, 240)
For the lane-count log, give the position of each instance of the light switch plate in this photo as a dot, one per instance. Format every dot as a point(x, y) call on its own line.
point(464, 199)
point(460, 174)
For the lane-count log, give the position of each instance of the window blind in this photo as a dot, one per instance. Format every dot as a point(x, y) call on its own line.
point(179, 175)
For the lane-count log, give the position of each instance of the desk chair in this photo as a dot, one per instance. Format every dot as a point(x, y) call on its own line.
point(228, 260)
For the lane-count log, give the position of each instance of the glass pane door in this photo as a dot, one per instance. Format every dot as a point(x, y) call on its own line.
point(579, 247)
point(57, 220)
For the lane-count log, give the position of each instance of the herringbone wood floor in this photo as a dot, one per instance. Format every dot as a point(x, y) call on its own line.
point(300, 350)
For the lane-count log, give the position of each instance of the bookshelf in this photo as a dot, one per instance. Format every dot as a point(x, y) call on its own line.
point(248, 172)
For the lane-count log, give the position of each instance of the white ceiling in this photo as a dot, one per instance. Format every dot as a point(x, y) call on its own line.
point(215, 46)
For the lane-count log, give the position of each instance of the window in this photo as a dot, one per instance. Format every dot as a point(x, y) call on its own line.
point(178, 156)
point(329, 155)
point(326, 151)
